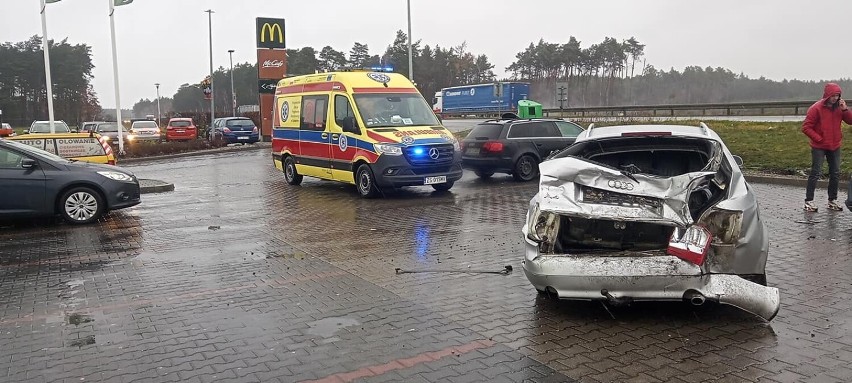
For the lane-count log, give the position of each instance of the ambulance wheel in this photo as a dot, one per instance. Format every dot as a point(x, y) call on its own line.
point(365, 182)
point(443, 187)
point(290, 175)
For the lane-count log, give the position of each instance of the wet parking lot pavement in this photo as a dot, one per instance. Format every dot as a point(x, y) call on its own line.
point(236, 276)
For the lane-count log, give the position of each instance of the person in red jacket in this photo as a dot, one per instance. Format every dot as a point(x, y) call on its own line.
point(822, 126)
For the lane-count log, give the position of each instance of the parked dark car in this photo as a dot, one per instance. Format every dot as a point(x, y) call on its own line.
point(36, 183)
point(515, 146)
point(234, 130)
point(109, 131)
point(89, 126)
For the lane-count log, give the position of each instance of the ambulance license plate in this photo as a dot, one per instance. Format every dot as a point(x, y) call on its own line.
point(435, 180)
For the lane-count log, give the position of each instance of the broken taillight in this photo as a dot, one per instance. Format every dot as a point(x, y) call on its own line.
point(691, 244)
point(542, 228)
point(493, 146)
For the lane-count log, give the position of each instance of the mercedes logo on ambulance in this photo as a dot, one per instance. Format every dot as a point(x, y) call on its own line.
point(434, 154)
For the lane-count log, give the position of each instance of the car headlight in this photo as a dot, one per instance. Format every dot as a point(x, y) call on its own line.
point(389, 149)
point(456, 145)
point(105, 138)
point(118, 176)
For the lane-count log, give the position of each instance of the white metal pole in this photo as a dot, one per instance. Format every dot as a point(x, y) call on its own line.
point(158, 104)
point(48, 81)
point(233, 95)
point(212, 93)
point(410, 58)
point(118, 120)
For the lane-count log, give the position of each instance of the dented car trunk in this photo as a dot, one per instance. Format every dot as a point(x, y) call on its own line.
point(648, 216)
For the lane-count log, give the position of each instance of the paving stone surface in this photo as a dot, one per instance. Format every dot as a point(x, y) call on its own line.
point(236, 276)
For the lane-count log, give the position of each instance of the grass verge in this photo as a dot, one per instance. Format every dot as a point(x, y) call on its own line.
point(770, 147)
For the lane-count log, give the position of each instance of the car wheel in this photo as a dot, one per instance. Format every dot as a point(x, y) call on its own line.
point(483, 174)
point(443, 187)
point(365, 182)
point(81, 205)
point(290, 174)
point(526, 168)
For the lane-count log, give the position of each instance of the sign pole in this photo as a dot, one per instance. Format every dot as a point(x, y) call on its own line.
point(212, 93)
point(118, 119)
point(48, 80)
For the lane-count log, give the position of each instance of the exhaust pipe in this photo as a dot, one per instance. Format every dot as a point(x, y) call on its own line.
point(749, 296)
point(694, 297)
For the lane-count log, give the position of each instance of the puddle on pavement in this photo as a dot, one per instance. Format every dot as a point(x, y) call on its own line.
point(78, 319)
point(85, 341)
point(230, 252)
point(327, 327)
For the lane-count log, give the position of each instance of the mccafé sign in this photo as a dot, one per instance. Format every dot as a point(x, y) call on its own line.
point(270, 33)
point(271, 63)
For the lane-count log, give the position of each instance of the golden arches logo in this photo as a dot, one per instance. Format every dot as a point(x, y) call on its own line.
point(271, 29)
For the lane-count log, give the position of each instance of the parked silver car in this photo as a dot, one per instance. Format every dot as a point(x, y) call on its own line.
point(648, 212)
point(59, 126)
point(144, 131)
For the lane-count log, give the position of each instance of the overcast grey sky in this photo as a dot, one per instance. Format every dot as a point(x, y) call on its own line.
point(165, 41)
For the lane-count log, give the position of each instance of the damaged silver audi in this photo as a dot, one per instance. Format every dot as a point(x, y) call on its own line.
point(648, 212)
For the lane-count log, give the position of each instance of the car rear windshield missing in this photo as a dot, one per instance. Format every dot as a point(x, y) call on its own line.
point(486, 132)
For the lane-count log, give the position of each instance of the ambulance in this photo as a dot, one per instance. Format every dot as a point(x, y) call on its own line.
point(371, 129)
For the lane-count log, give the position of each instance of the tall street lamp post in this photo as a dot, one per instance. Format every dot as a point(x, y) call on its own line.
point(158, 104)
point(410, 57)
point(233, 95)
point(212, 92)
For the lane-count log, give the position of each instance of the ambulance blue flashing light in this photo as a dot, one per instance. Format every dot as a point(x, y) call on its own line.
point(386, 68)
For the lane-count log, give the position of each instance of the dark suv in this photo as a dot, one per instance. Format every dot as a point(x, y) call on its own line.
point(515, 146)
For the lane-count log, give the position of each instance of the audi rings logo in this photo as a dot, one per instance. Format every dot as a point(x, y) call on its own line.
point(616, 184)
point(434, 154)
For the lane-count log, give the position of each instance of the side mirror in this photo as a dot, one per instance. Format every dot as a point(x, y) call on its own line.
point(738, 160)
point(29, 163)
point(350, 126)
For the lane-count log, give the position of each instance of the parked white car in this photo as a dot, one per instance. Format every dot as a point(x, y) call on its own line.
point(648, 212)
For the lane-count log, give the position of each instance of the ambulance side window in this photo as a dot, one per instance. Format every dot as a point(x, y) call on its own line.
point(314, 112)
point(344, 116)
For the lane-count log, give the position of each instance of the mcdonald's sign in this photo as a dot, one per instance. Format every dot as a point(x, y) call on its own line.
point(270, 33)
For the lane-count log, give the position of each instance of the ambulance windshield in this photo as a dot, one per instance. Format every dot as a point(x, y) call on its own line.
point(385, 110)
